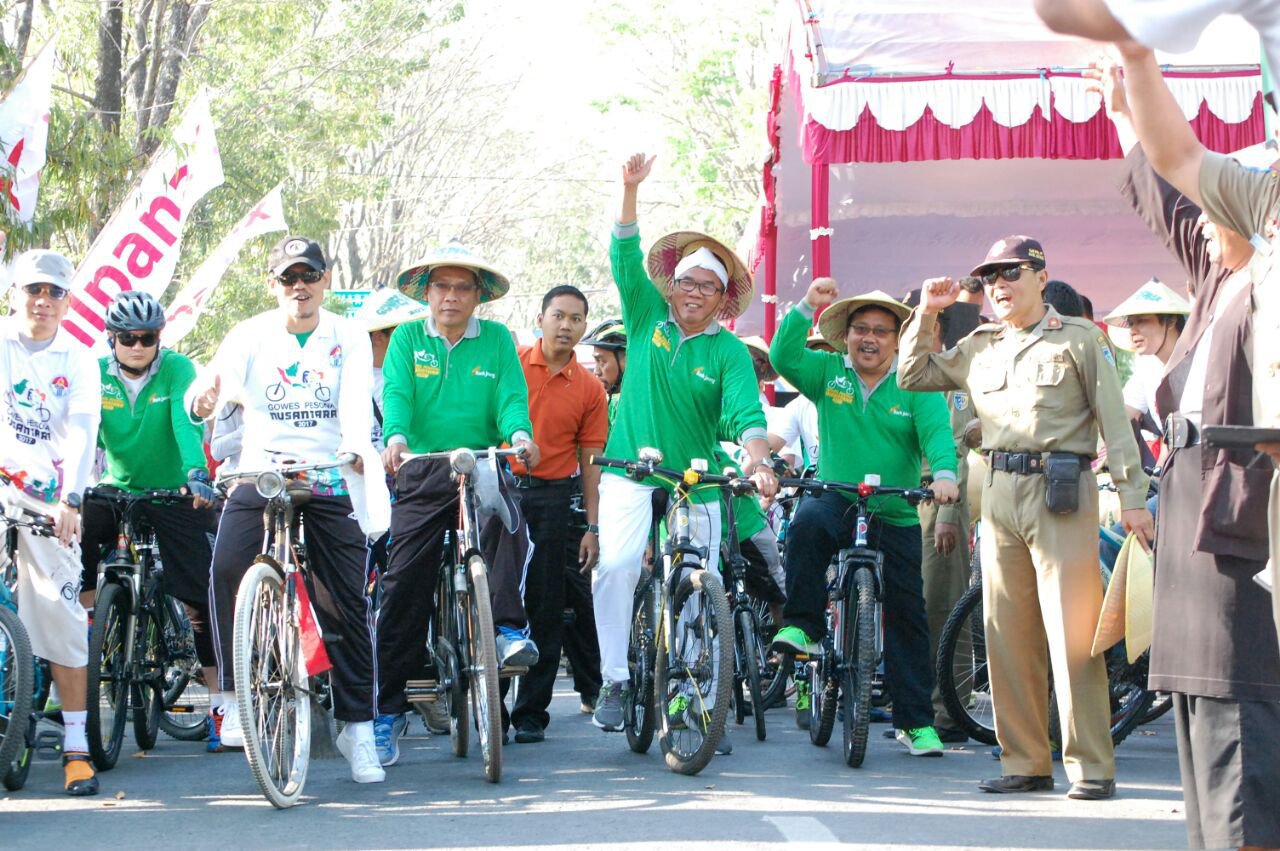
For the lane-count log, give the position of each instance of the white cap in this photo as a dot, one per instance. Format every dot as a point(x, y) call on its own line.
point(41, 266)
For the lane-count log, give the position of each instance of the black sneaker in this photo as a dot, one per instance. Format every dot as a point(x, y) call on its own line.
point(528, 732)
point(1017, 783)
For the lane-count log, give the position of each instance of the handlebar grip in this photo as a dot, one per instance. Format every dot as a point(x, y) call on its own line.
point(602, 461)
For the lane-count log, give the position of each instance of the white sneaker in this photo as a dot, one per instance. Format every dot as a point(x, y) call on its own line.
point(232, 732)
point(356, 744)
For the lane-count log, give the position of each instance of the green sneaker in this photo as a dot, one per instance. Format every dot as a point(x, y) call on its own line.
point(921, 741)
point(802, 704)
point(677, 707)
point(792, 640)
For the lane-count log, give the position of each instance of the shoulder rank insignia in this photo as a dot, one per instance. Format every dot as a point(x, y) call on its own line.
point(1053, 323)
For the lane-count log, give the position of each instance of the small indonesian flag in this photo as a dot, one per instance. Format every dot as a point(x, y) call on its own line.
point(314, 656)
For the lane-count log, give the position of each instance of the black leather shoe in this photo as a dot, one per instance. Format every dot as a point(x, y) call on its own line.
point(1016, 783)
point(951, 736)
point(84, 785)
point(1092, 790)
point(528, 733)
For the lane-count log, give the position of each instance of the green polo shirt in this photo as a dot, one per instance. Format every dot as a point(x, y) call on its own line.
point(676, 389)
point(886, 433)
point(150, 443)
point(437, 397)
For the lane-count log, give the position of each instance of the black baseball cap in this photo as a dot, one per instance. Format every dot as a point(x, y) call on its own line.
point(1012, 251)
point(295, 249)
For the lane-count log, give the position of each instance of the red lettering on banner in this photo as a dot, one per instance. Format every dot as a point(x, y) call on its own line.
point(178, 311)
point(151, 221)
point(141, 247)
point(177, 178)
point(95, 290)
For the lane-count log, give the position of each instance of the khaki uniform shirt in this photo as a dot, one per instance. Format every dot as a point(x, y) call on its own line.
point(1045, 389)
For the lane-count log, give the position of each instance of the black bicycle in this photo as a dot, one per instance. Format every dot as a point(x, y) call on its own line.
point(680, 651)
point(842, 675)
point(131, 665)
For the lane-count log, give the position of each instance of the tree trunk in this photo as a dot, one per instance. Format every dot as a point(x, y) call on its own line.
point(107, 94)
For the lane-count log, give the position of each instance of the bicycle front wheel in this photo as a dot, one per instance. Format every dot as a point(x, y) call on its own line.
point(640, 721)
point(751, 660)
point(486, 703)
point(271, 684)
point(186, 695)
point(858, 656)
point(17, 672)
point(694, 678)
point(107, 694)
point(962, 669)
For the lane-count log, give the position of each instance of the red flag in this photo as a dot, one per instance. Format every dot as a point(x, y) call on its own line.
point(314, 655)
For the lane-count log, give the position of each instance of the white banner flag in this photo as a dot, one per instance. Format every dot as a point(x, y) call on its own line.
point(24, 134)
point(138, 249)
point(267, 216)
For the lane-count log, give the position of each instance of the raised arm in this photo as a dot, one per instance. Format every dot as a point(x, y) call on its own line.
point(1166, 137)
point(918, 367)
point(803, 367)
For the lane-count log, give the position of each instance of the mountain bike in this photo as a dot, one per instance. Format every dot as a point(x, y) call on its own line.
point(18, 667)
point(130, 662)
point(462, 642)
point(273, 689)
point(681, 634)
point(842, 675)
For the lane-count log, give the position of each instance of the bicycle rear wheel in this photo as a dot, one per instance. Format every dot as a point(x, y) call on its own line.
point(858, 656)
point(747, 639)
point(17, 672)
point(448, 652)
point(824, 696)
point(486, 703)
point(271, 684)
point(148, 689)
point(639, 720)
point(773, 667)
point(694, 677)
point(186, 695)
point(962, 669)
point(15, 775)
point(107, 694)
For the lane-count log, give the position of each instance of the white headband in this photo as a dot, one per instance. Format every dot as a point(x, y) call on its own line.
point(703, 258)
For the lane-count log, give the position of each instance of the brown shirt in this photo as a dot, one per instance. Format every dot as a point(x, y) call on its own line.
point(1046, 389)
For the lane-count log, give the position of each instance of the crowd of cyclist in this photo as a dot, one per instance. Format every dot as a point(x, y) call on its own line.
point(407, 378)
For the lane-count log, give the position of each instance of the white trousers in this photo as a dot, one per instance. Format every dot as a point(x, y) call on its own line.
point(625, 519)
point(49, 589)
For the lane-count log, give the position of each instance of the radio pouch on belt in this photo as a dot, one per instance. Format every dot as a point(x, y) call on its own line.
point(1062, 482)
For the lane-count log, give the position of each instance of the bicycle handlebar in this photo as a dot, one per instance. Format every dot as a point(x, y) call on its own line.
point(287, 469)
point(913, 496)
point(642, 469)
point(111, 494)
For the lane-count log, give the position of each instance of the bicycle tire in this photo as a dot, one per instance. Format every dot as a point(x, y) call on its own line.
point(486, 702)
point(962, 666)
point(108, 709)
point(752, 659)
point(17, 682)
point(183, 678)
point(15, 775)
point(449, 663)
point(147, 698)
point(824, 695)
point(271, 685)
point(708, 643)
point(773, 678)
point(639, 720)
point(1161, 703)
point(858, 656)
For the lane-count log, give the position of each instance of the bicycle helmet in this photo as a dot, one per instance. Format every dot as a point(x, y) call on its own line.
point(609, 335)
point(134, 310)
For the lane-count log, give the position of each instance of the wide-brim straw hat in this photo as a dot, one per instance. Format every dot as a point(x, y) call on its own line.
point(386, 308)
point(1152, 298)
point(412, 280)
point(669, 250)
point(835, 319)
point(757, 345)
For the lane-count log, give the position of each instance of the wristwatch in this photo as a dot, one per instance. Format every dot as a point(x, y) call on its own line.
point(72, 500)
point(593, 528)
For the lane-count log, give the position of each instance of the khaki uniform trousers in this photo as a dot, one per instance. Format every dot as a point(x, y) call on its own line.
point(1042, 592)
point(946, 578)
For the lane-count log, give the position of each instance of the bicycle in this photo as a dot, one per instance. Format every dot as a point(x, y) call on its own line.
point(19, 669)
point(853, 645)
point(273, 689)
point(462, 641)
point(681, 642)
point(130, 663)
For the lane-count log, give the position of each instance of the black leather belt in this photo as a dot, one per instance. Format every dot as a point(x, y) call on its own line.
point(1180, 432)
point(532, 482)
point(1025, 463)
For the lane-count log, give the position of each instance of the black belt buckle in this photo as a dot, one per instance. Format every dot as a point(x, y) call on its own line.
point(1180, 432)
point(1026, 463)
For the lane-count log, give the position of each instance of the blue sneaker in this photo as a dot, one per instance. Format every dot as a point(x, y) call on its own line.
point(213, 729)
point(387, 730)
point(515, 649)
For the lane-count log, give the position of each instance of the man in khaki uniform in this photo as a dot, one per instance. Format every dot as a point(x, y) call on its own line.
point(1042, 385)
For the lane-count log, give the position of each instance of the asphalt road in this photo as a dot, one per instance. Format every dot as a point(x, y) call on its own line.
point(582, 788)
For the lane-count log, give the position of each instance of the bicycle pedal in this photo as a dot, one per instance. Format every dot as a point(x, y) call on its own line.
point(421, 691)
point(48, 744)
point(514, 671)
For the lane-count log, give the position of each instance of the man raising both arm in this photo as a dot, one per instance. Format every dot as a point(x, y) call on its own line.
point(859, 401)
point(685, 376)
point(449, 381)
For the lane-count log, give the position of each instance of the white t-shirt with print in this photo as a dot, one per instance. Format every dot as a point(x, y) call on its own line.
point(42, 391)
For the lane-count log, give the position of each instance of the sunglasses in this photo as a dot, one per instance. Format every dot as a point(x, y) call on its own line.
point(146, 338)
point(1008, 273)
point(53, 291)
point(309, 276)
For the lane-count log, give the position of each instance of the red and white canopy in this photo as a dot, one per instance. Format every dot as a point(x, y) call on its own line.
point(909, 135)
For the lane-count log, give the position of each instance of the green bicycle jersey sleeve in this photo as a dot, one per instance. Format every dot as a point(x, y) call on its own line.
point(397, 382)
point(933, 430)
point(513, 391)
point(803, 367)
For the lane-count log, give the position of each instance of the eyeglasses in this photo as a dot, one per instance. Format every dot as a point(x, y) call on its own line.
point(307, 276)
point(53, 291)
point(879, 331)
point(1009, 273)
point(455, 289)
point(129, 340)
point(706, 288)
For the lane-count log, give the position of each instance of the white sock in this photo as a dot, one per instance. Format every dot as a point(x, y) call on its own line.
point(215, 700)
point(229, 705)
point(73, 737)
